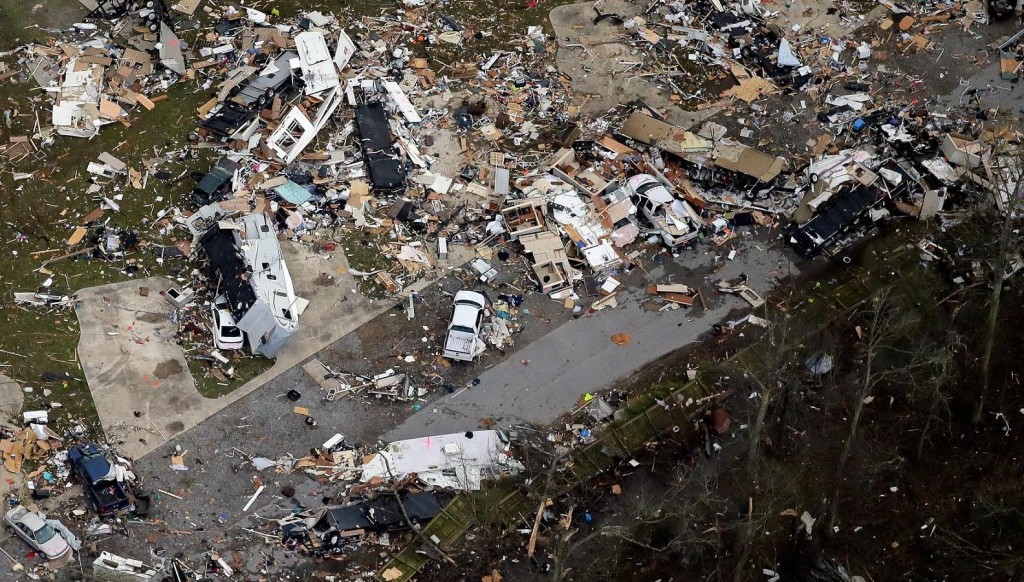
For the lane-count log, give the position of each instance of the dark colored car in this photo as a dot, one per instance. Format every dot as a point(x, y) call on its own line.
point(96, 473)
point(216, 184)
point(385, 165)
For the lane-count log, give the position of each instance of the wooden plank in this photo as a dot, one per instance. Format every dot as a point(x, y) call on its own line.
point(205, 108)
point(77, 236)
point(677, 298)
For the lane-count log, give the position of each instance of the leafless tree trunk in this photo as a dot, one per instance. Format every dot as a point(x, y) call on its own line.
point(1008, 177)
point(775, 358)
point(754, 446)
point(992, 321)
point(886, 324)
point(934, 391)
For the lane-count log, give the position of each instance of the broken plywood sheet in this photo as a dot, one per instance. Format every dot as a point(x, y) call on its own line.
point(619, 149)
point(19, 146)
point(750, 86)
point(111, 110)
point(77, 236)
point(187, 7)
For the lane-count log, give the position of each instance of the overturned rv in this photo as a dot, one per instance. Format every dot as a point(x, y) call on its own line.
point(247, 266)
point(329, 529)
point(846, 191)
point(458, 461)
point(248, 96)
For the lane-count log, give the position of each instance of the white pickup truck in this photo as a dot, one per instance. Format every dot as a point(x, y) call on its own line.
point(463, 341)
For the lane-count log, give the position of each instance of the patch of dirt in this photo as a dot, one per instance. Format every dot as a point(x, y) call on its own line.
point(167, 368)
point(151, 317)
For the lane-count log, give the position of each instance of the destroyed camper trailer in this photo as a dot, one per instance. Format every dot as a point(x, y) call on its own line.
point(455, 461)
point(384, 162)
point(247, 267)
point(275, 78)
point(238, 116)
point(852, 204)
point(329, 529)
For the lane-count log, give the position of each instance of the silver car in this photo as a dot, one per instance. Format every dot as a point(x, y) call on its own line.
point(31, 527)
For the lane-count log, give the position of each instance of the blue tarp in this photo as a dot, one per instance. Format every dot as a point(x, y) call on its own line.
point(292, 192)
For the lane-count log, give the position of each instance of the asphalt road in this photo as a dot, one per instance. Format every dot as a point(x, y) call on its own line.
point(579, 357)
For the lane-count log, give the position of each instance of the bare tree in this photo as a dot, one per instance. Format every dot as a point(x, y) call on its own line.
point(1007, 172)
point(777, 485)
point(884, 360)
point(689, 499)
point(771, 372)
point(774, 379)
point(933, 391)
point(754, 445)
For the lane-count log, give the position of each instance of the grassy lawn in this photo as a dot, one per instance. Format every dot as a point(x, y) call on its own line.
point(246, 367)
point(46, 208)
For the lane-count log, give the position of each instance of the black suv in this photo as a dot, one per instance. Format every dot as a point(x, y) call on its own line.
point(97, 475)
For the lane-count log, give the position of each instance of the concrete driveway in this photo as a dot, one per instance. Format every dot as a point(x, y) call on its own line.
point(133, 365)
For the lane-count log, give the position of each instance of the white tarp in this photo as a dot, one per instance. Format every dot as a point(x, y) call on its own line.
point(787, 58)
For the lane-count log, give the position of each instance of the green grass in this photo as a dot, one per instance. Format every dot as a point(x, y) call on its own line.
point(47, 207)
point(246, 368)
point(16, 20)
point(363, 251)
